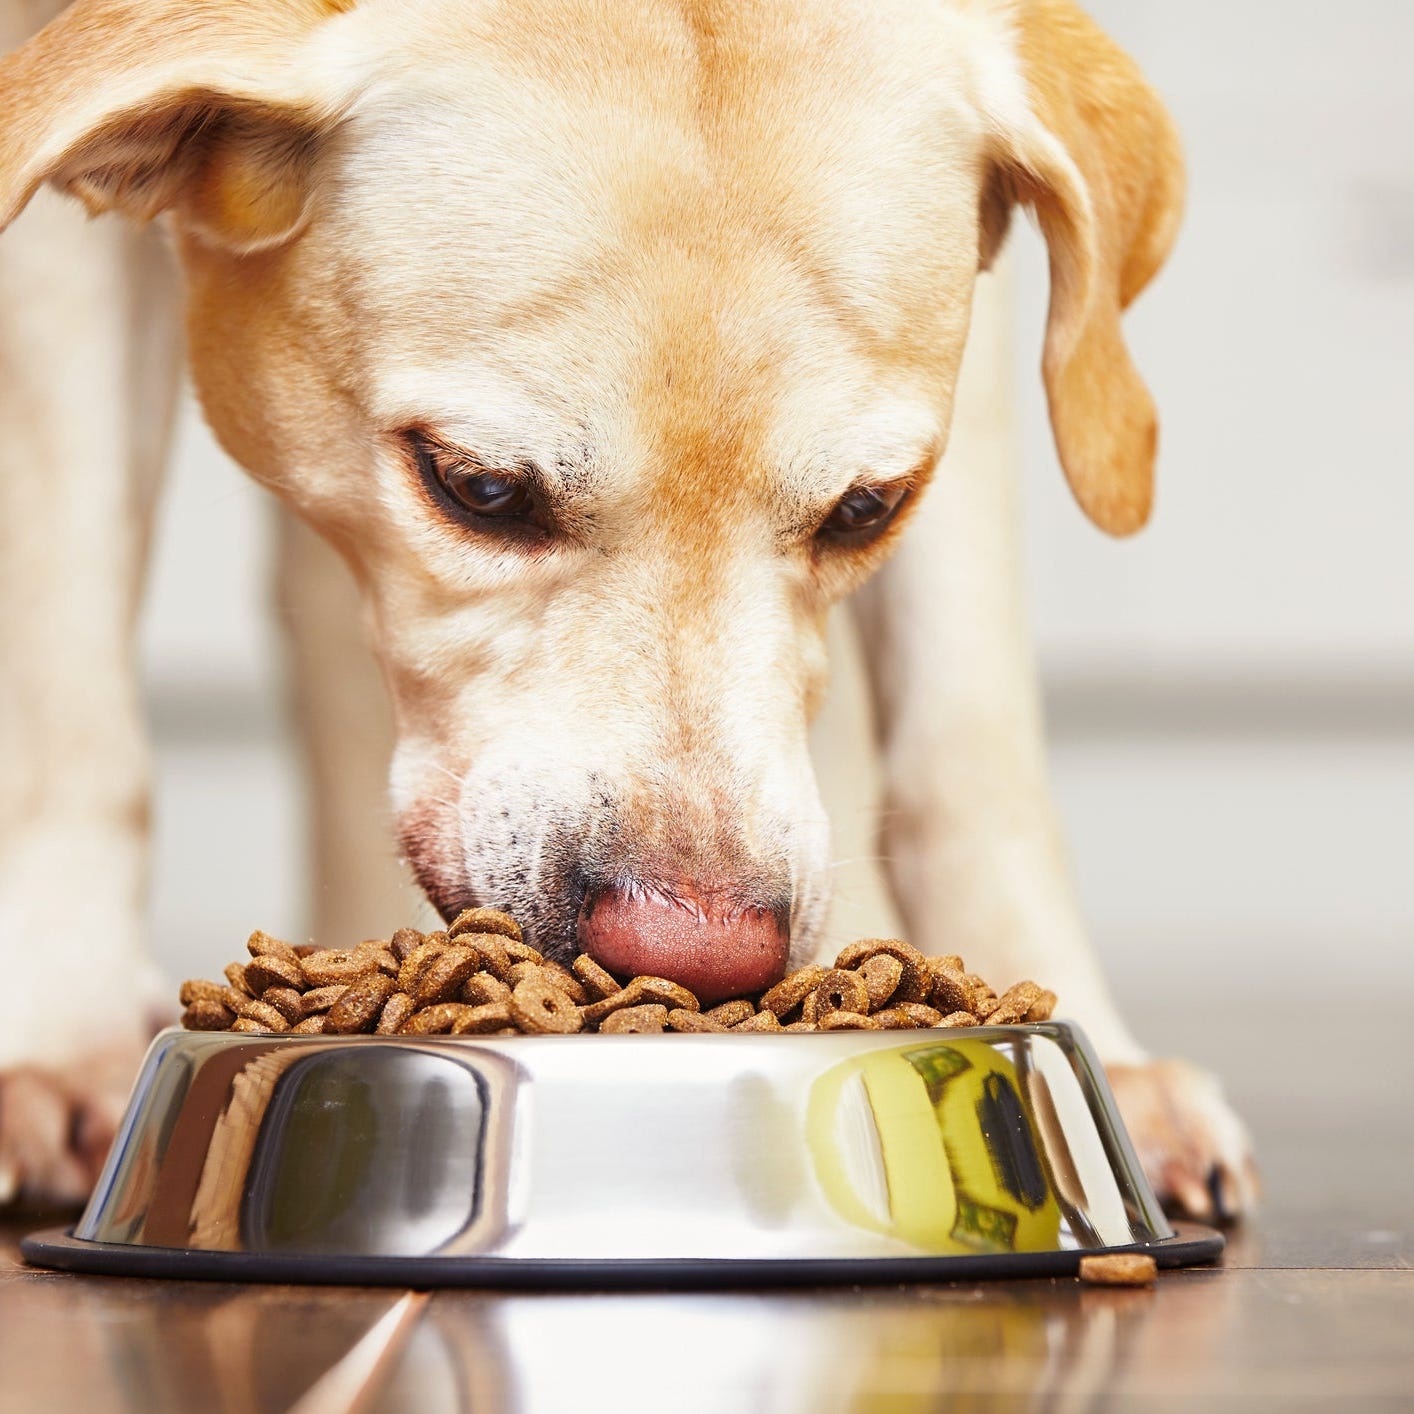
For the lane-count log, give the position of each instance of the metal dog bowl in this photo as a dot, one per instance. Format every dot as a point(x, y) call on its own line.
point(619, 1160)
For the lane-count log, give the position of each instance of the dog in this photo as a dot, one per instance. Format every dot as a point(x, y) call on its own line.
point(609, 343)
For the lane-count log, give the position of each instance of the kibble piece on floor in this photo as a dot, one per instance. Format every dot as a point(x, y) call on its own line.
point(1119, 1269)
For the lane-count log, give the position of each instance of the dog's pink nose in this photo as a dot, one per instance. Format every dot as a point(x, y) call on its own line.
point(715, 950)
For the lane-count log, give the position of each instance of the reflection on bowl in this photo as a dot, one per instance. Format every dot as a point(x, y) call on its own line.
point(851, 1155)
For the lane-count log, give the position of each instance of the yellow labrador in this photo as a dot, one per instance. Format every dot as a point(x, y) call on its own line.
point(610, 343)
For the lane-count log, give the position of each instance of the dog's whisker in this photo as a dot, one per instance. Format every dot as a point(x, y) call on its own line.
point(861, 859)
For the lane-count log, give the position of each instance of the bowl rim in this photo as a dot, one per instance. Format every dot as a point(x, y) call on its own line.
point(1191, 1244)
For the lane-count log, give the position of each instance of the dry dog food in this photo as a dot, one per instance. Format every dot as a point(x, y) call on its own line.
point(1119, 1269)
point(480, 978)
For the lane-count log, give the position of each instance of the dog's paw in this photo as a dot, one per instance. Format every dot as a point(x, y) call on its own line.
point(1194, 1149)
point(56, 1123)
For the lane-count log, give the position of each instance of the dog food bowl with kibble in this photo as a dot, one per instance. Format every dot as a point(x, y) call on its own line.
point(596, 1160)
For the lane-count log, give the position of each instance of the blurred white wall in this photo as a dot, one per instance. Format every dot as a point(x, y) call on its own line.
point(1232, 692)
point(1279, 342)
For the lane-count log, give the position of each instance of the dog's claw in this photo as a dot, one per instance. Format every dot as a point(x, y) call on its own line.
point(1194, 1148)
point(1217, 1192)
point(56, 1125)
point(1192, 1198)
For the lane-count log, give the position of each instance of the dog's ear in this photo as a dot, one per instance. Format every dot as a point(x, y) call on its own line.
point(201, 106)
point(1096, 155)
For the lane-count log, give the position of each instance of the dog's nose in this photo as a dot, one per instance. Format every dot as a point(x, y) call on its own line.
point(714, 948)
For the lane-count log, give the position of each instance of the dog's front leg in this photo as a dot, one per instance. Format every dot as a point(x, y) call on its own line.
point(969, 831)
point(359, 888)
point(88, 364)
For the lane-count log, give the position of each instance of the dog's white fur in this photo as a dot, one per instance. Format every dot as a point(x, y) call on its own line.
point(704, 267)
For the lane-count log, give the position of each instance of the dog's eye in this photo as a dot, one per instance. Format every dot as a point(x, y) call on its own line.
point(480, 496)
point(864, 509)
point(488, 493)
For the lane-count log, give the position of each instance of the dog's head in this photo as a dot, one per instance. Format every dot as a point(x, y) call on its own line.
point(611, 344)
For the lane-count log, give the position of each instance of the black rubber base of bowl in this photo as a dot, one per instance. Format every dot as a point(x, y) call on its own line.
point(58, 1248)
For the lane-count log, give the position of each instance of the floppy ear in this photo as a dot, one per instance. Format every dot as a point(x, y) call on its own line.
point(1096, 155)
point(202, 106)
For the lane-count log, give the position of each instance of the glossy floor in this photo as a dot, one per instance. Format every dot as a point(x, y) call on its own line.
point(1313, 1306)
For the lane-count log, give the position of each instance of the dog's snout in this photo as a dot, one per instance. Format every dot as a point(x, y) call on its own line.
point(716, 946)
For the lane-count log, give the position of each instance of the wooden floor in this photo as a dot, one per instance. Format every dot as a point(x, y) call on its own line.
point(1312, 1308)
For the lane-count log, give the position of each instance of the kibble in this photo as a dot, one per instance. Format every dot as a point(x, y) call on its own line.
point(536, 1006)
point(491, 1019)
point(484, 920)
point(444, 975)
point(644, 1020)
point(396, 1010)
point(269, 970)
point(1119, 1269)
point(360, 1006)
point(481, 978)
point(481, 988)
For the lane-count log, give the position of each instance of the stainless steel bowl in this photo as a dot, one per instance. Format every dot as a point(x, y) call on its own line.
point(694, 1159)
